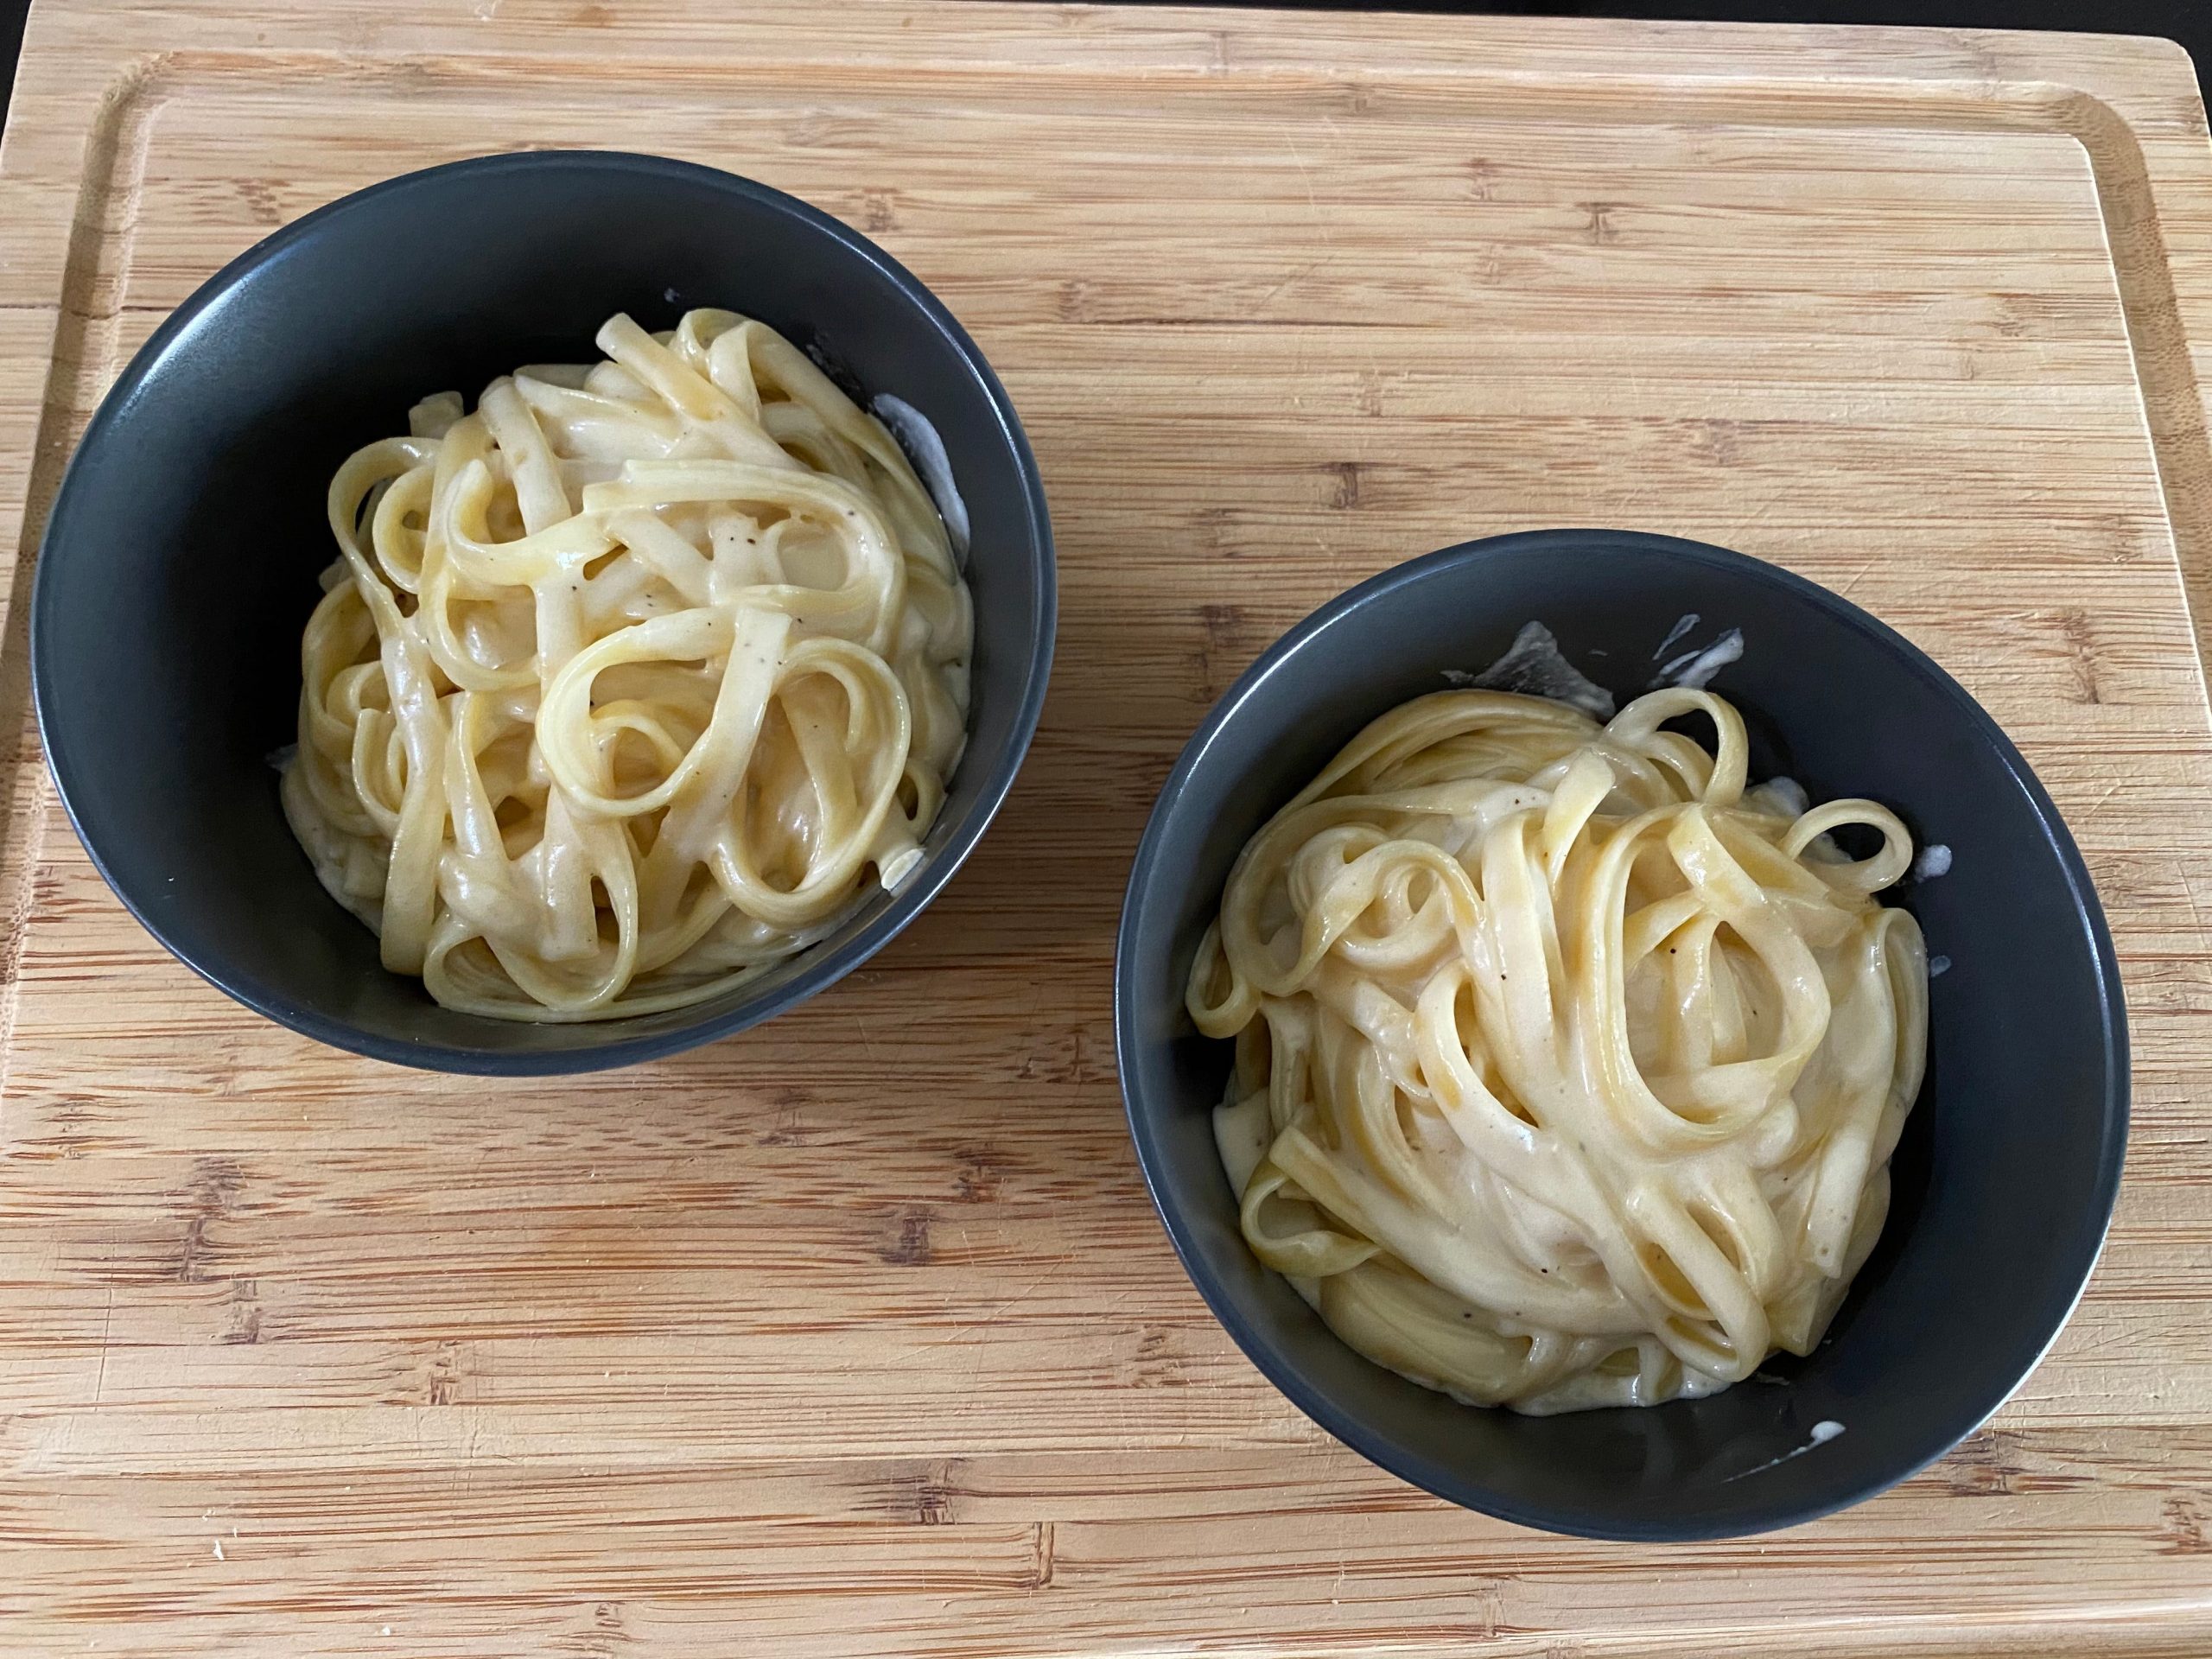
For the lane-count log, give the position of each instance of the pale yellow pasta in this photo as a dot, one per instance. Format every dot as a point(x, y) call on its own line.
point(1569, 1068)
point(631, 682)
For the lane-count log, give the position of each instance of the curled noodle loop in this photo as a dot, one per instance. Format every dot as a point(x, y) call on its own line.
point(1569, 1065)
point(633, 682)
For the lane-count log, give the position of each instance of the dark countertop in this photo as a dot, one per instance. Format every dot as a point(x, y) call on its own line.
point(12, 13)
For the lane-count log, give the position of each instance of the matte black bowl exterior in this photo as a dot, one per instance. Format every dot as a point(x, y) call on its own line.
point(180, 565)
point(2006, 1175)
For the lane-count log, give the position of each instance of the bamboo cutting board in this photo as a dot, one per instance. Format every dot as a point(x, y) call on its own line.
point(857, 1334)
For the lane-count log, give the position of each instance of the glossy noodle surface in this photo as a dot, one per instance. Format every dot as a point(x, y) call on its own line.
point(633, 682)
point(1569, 1067)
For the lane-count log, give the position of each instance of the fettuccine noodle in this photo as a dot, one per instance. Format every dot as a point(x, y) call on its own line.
point(1567, 1067)
point(630, 684)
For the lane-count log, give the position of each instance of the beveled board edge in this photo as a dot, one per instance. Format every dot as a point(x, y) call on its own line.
point(94, 75)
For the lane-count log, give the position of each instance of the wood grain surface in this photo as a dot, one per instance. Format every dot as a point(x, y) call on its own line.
point(857, 1334)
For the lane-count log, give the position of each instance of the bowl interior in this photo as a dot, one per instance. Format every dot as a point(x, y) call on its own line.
point(180, 565)
point(2004, 1181)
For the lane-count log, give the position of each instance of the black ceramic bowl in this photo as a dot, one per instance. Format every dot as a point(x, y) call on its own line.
point(2005, 1177)
point(179, 566)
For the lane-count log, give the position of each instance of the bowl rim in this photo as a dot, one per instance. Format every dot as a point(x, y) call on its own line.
point(64, 759)
point(1286, 1375)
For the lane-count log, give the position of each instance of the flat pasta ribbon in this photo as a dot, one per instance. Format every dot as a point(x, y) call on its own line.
point(631, 682)
point(1568, 1065)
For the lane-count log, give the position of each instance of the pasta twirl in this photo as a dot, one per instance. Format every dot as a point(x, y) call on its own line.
point(629, 684)
point(1569, 1067)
